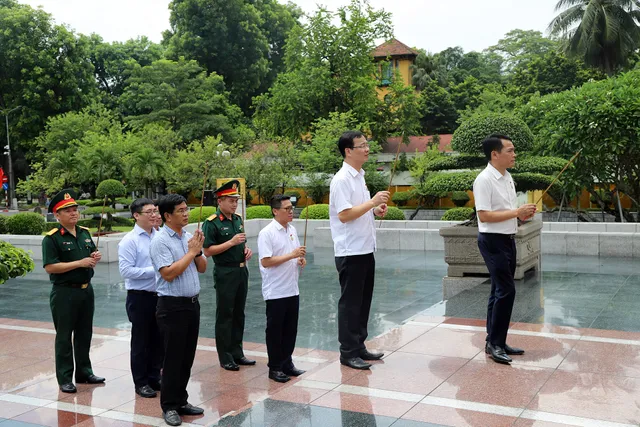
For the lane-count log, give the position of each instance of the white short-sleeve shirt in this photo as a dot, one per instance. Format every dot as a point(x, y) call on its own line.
point(280, 281)
point(357, 237)
point(493, 191)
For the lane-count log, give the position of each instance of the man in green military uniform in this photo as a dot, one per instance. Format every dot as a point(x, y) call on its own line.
point(69, 256)
point(224, 240)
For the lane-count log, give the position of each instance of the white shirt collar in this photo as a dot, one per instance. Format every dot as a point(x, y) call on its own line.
point(496, 173)
point(139, 230)
point(352, 170)
point(279, 226)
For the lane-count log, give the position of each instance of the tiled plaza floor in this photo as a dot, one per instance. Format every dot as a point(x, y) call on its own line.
point(579, 321)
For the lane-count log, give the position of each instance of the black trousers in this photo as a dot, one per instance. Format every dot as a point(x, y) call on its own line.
point(232, 285)
point(281, 332)
point(147, 348)
point(356, 274)
point(179, 321)
point(499, 253)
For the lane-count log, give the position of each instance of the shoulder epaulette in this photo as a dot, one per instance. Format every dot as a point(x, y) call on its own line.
point(84, 228)
point(212, 217)
point(52, 231)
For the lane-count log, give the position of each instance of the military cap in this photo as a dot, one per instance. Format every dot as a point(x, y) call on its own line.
point(230, 189)
point(64, 199)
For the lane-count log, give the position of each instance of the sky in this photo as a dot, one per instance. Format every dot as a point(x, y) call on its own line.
point(433, 25)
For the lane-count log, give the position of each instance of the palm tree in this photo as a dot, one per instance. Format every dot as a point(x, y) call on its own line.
point(604, 33)
point(146, 165)
point(427, 67)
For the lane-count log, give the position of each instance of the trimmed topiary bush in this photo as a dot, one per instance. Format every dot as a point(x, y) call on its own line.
point(28, 223)
point(112, 189)
point(401, 198)
point(3, 224)
point(539, 164)
point(458, 214)
point(460, 198)
point(14, 262)
point(86, 202)
point(97, 210)
point(463, 161)
point(443, 182)
point(207, 211)
point(469, 136)
point(259, 212)
point(393, 214)
point(319, 211)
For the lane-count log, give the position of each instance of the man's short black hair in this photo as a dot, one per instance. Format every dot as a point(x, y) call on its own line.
point(276, 201)
point(346, 140)
point(168, 203)
point(138, 204)
point(493, 143)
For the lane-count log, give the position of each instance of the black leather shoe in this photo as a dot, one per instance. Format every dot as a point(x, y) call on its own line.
point(243, 361)
point(513, 350)
point(189, 409)
point(157, 386)
point(172, 418)
point(68, 388)
point(355, 363)
point(231, 366)
point(293, 372)
point(367, 355)
point(91, 379)
point(498, 354)
point(146, 391)
point(278, 376)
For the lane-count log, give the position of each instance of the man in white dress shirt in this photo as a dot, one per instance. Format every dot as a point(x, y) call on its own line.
point(496, 205)
point(147, 348)
point(351, 217)
point(280, 256)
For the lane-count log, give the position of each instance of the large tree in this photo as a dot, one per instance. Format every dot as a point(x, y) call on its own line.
point(521, 46)
point(604, 33)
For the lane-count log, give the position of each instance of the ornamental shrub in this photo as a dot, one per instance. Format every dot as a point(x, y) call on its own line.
point(320, 211)
point(14, 262)
point(28, 223)
point(460, 198)
point(259, 212)
point(458, 214)
point(444, 183)
point(539, 164)
point(463, 161)
point(394, 214)
point(111, 188)
point(3, 224)
point(401, 198)
point(469, 136)
point(207, 211)
point(97, 210)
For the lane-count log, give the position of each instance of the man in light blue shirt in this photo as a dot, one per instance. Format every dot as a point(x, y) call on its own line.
point(177, 255)
point(147, 350)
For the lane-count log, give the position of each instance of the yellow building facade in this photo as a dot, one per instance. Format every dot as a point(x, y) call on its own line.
point(394, 58)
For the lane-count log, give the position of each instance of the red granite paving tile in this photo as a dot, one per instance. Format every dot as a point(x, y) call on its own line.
point(250, 345)
point(107, 396)
point(456, 417)
point(522, 422)
point(431, 319)
point(52, 417)
point(108, 349)
point(11, 409)
point(297, 394)
point(263, 382)
point(27, 375)
point(47, 389)
point(211, 342)
point(465, 322)
point(546, 328)
point(107, 422)
point(504, 385)
point(589, 395)
point(447, 342)
point(365, 404)
point(397, 337)
point(12, 362)
point(28, 344)
point(149, 407)
point(329, 356)
point(121, 362)
point(603, 333)
point(246, 373)
point(201, 391)
point(604, 358)
point(332, 373)
point(227, 402)
point(539, 351)
point(410, 373)
point(112, 332)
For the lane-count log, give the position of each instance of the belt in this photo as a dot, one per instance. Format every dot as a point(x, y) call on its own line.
point(234, 264)
point(192, 300)
point(509, 236)
point(74, 285)
point(138, 292)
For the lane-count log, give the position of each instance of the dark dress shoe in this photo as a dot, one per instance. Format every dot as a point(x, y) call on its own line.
point(68, 388)
point(278, 376)
point(91, 379)
point(231, 366)
point(156, 385)
point(293, 372)
point(355, 363)
point(146, 391)
point(367, 355)
point(498, 354)
point(172, 418)
point(189, 409)
point(245, 362)
point(513, 350)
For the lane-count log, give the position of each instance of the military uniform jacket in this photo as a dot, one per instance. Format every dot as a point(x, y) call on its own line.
point(219, 229)
point(59, 245)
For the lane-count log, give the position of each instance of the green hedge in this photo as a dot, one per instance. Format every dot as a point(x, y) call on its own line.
point(469, 136)
point(3, 224)
point(207, 211)
point(539, 164)
point(319, 211)
point(394, 214)
point(401, 198)
point(111, 188)
point(86, 202)
point(458, 214)
point(93, 223)
point(14, 262)
point(93, 203)
point(259, 212)
point(463, 161)
point(460, 198)
point(97, 210)
point(443, 182)
point(29, 223)
point(124, 200)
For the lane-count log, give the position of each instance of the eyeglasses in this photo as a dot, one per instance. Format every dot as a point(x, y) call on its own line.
point(288, 209)
point(363, 146)
point(183, 211)
point(154, 212)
